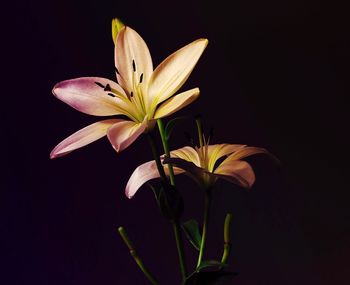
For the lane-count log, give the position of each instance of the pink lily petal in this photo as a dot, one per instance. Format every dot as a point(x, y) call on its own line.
point(124, 133)
point(172, 73)
point(132, 59)
point(86, 96)
point(144, 173)
point(176, 103)
point(236, 171)
point(82, 137)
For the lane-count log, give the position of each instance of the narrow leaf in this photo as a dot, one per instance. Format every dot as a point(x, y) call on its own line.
point(192, 233)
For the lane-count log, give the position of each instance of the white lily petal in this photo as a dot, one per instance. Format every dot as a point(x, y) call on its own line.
point(124, 133)
point(172, 73)
point(84, 95)
point(144, 173)
point(83, 137)
point(176, 103)
point(236, 171)
point(131, 51)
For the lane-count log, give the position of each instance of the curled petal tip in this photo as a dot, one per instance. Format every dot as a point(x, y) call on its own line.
point(53, 91)
point(206, 41)
point(55, 154)
point(129, 196)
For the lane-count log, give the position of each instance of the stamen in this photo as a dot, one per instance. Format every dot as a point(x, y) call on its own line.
point(107, 88)
point(111, 94)
point(131, 94)
point(100, 84)
point(133, 65)
point(141, 78)
point(116, 70)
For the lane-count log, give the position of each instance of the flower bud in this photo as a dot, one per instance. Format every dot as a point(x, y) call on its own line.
point(117, 25)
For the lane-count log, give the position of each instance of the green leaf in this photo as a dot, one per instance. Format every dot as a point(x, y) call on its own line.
point(169, 201)
point(171, 124)
point(156, 191)
point(192, 233)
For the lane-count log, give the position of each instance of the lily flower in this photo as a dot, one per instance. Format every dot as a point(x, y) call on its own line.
point(141, 95)
point(203, 164)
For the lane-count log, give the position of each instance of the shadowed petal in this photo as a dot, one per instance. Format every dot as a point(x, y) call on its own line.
point(144, 173)
point(86, 96)
point(237, 172)
point(176, 103)
point(82, 137)
point(132, 52)
point(124, 133)
point(172, 73)
point(186, 165)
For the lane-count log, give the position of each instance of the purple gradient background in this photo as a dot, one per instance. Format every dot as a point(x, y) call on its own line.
point(275, 74)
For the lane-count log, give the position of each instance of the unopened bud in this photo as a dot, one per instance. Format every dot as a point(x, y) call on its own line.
point(117, 25)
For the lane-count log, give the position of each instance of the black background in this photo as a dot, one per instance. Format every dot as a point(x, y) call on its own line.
point(275, 74)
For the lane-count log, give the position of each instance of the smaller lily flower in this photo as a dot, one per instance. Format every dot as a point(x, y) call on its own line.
point(141, 95)
point(203, 164)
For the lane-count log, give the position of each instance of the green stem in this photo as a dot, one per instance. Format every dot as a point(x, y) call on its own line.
point(166, 150)
point(135, 256)
point(175, 223)
point(227, 242)
point(180, 249)
point(156, 157)
point(207, 202)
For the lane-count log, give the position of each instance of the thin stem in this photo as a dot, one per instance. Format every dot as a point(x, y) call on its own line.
point(166, 150)
point(227, 242)
point(207, 202)
point(180, 249)
point(135, 256)
point(156, 156)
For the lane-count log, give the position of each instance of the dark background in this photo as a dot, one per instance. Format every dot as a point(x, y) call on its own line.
point(275, 74)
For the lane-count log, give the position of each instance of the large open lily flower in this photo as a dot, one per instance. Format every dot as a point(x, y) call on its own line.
point(140, 96)
point(204, 164)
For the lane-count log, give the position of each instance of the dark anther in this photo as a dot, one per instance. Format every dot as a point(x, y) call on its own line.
point(133, 65)
point(99, 84)
point(111, 94)
point(141, 77)
point(116, 70)
point(107, 88)
point(131, 94)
